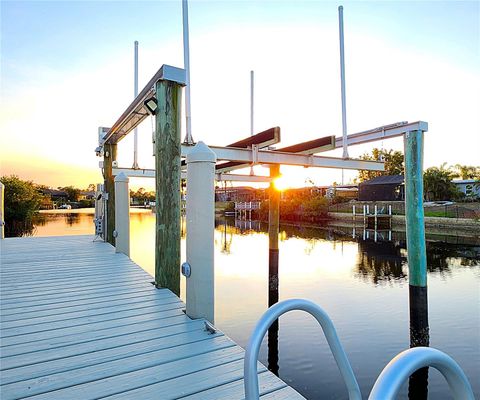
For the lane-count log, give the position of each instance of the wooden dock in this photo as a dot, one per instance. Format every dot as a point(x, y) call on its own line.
point(79, 321)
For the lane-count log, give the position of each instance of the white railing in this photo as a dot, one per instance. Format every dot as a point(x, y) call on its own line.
point(389, 381)
point(407, 362)
point(247, 205)
point(268, 318)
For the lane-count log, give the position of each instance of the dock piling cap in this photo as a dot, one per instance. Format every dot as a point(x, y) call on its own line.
point(121, 177)
point(201, 153)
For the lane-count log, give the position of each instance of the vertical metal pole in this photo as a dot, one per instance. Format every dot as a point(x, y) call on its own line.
point(200, 232)
point(186, 62)
point(135, 93)
point(390, 216)
point(342, 82)
point(416, 256)
point(167, 185)
point(252, 82)
point(2, 210)
point(122, 215)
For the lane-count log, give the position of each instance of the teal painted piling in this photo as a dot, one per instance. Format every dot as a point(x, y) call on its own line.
point(414, 215)
point(417, 257)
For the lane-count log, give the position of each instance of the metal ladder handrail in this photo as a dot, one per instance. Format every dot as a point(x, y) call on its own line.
point(388, 382)
point(268, 318)
point(407, 362)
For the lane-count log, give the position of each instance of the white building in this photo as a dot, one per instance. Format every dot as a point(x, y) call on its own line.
point(470, 187)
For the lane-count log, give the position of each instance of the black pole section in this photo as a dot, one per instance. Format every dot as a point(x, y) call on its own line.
point(273, 330)
point(419, 336)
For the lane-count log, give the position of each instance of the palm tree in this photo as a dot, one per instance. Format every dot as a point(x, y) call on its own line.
point(438, 184)
point(465, 171)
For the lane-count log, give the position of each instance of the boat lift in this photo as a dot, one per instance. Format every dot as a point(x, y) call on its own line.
point(202, 164)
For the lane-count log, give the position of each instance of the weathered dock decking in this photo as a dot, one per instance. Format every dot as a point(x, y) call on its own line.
point(79, 321)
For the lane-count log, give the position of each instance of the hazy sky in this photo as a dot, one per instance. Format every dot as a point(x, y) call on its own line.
point(67, 68)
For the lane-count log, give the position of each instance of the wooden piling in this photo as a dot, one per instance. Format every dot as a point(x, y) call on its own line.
point(167, 185)
point(110, 155)
point(273, 222)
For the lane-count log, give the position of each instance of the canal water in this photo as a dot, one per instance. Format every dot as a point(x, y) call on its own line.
point(359, 278)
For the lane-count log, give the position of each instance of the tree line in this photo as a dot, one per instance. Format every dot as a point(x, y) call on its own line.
point(23, 199)
point(437, 181)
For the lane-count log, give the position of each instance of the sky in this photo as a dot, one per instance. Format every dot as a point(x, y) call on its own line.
point(67, 68)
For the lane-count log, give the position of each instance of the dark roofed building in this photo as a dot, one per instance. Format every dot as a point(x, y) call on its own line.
point(382, 188)
point(55, 194)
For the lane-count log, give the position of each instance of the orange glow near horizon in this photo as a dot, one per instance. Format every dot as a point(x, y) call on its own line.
point(282, 183)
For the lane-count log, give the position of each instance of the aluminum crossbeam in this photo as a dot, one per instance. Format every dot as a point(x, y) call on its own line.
point(136, 112)
point(277, 157)
point(150, 173)
point(307, 148)
point(382, 132)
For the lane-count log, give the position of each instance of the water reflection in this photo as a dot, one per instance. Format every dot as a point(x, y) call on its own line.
point(381, 261)
point(227, 237)
point(381, 256)
point(72, 219)
point(19, 228)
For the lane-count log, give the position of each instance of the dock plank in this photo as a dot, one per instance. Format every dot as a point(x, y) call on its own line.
point(79, 321)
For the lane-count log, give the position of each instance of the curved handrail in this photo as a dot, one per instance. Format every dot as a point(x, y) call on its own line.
point(407, 362)
point(268, 318)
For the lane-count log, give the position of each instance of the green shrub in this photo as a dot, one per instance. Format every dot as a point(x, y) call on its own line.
point(22, 201)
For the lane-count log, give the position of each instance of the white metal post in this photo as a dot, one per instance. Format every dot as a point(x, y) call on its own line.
point(122, 215)
point(135, 94)
point(200, 232)
point(252, 77)
point(2, 211)
point(342, 81)
point(252, 83)
point(186, 62)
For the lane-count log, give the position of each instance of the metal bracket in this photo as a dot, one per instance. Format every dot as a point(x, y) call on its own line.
point(186, 270)
point(254, 154)
point(210, 328)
